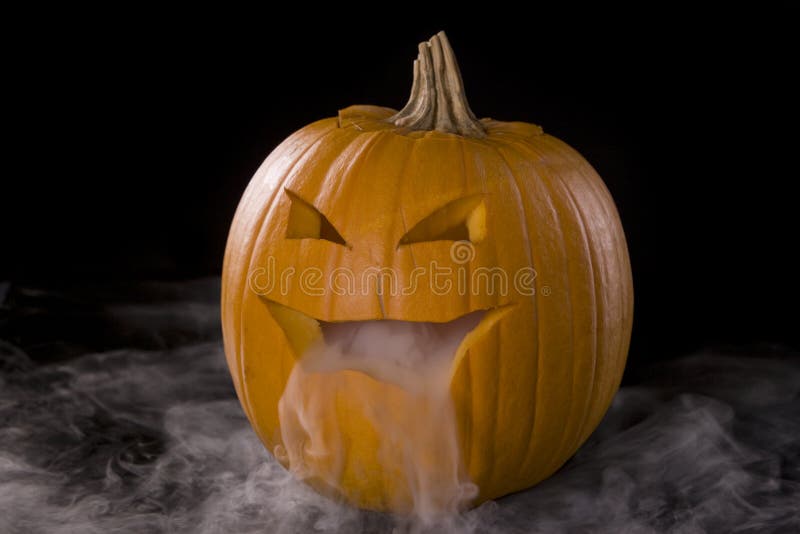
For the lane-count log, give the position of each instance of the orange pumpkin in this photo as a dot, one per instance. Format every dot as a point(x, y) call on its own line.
point(380, 191)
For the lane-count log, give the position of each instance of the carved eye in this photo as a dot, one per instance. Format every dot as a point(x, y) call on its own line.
point(460, 220)
point(306, 222)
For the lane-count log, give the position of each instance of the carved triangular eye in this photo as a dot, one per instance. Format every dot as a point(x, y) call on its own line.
point(460, 220)
point(306, 222)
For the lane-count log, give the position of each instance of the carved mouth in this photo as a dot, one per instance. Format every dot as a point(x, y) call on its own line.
point(410, 354)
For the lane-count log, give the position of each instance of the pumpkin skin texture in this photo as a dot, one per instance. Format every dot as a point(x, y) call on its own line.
point(530, 382)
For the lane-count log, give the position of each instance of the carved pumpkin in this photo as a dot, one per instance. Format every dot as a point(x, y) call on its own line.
point(374, 190)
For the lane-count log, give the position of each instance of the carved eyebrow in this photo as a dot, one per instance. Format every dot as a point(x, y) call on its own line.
point(307, 222)
point(463, 219)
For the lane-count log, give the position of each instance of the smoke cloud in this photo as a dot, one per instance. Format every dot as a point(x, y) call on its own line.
point(132, 426)
point(400, 391)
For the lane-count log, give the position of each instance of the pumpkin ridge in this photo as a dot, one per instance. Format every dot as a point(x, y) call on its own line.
point(269, 207)
point(563, 190)
point(603, 200)
point(249, 259)
point(403, 176)
point(622, 259)
point(595, 331)
point(535, 300)
point(353, 169)
point(226, 289)
point(546, 180)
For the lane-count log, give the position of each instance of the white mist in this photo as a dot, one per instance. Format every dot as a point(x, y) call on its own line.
point(154, 440)
point(410, 409)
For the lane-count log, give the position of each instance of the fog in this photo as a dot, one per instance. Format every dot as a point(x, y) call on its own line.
point(391, 377)
point(145, 435)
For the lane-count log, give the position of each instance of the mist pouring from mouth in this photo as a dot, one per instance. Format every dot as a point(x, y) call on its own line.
point(367, 414)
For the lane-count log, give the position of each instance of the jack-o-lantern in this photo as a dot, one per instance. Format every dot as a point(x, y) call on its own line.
point(495, 233)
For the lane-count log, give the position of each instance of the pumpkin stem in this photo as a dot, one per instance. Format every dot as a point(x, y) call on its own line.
point(437, 99)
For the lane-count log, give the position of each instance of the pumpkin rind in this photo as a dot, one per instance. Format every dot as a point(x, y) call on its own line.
point(529, 390)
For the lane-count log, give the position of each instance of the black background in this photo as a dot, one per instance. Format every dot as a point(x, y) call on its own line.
point(131, 136)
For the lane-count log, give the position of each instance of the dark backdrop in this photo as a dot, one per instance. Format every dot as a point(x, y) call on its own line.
point(132, 135)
